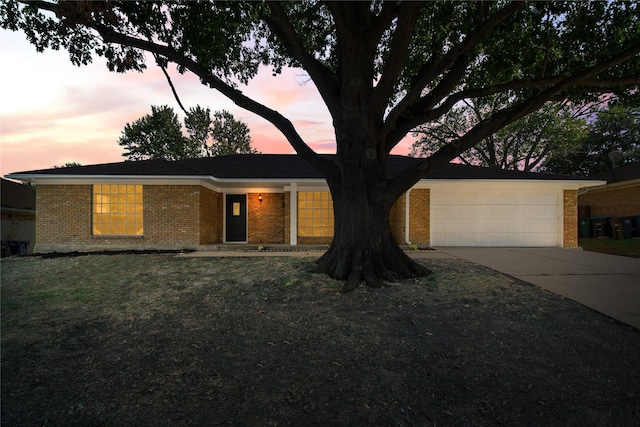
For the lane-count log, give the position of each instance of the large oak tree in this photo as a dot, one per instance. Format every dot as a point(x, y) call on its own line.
point(382, 68)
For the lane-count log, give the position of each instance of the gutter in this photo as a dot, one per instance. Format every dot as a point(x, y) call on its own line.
point(599, 185)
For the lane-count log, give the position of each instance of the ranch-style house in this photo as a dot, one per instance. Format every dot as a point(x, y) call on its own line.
point(268, 199)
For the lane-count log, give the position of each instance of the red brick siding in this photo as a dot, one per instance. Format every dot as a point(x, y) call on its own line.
point(617, 201)
point(265, 218)
point(570, 220)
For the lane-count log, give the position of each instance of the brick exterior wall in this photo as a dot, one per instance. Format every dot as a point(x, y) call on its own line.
point(615, 202)
point(265, 219)
point(211, 214)
point(63, 214)
point(419, 216)
point(175, 216)
point(172, 215)
point(570, 219)
point(315, 240)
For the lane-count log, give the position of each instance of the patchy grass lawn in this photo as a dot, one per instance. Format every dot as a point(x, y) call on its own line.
point(156, 340)
point(624, 247)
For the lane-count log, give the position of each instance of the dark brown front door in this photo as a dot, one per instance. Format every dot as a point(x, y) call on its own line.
point(236, 212)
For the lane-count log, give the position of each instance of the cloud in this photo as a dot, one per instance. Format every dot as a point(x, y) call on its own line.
point(52, 112)
point(37, 154)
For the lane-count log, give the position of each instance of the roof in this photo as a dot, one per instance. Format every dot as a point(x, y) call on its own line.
point(268, 166)
point(17, 196)
point(620, 174)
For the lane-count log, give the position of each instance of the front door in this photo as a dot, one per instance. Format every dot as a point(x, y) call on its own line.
point(236, 213)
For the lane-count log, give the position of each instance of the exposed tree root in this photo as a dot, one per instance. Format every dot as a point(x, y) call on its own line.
point(357, 265)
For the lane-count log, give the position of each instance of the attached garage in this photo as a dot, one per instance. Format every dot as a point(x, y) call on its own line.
point(507, 213)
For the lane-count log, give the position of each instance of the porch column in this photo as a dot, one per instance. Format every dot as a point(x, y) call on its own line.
point(293, 215)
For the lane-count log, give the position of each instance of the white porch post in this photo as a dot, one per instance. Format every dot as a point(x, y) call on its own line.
point(293, 215)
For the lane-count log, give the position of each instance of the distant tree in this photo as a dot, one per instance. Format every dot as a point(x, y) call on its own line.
point(522, 145)
point(159, 135)
point(68, 165)
point(229, 136)
point(221, 136)
point(197, 122)
point(616, 128)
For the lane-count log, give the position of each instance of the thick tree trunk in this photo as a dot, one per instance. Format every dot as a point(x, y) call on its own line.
point(363, 248)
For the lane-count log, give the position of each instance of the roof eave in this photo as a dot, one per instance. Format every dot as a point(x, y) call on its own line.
point(82, 179)
point(94, 179)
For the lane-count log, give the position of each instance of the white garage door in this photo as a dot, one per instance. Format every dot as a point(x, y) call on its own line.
point(477, 217)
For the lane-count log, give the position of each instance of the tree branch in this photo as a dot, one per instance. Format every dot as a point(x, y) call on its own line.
point(325, 81)
point(235, 95)
point(497, 121)
point(398, 52)
point(173, 89)
point(417, 118)
point(437, 65)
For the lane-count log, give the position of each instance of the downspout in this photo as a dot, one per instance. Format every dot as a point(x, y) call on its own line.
point(406, 217)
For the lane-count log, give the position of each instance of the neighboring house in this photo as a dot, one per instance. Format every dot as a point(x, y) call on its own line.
point(280, 199)
point(18, 212)
point(618, 198)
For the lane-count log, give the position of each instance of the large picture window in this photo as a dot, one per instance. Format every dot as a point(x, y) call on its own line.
point(117, 209)
point(315, 213)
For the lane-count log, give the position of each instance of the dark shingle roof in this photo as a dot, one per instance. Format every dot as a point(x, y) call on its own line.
point(17, 196)
point(272, 166)
point(621, 173)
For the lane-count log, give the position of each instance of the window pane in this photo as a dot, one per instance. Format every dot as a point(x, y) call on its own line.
point(315, 213)
point(117, 209)
point(131, 228)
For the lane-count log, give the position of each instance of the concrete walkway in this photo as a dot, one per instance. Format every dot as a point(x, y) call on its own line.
point(609, 284)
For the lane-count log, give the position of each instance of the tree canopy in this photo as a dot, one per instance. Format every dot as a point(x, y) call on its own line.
point(616, 128)
point(157, 136)
point(409, 63)
point(382, 69)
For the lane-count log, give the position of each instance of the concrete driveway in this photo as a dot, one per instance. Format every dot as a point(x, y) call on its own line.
point(607, 283)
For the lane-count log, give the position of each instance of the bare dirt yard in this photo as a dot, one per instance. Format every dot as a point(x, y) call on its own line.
point(157, 340)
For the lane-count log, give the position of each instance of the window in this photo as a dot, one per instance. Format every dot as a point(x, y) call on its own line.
point(117, 209)
point(315, 213)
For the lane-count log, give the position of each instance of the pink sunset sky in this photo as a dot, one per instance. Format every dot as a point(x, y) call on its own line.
point(52, 112)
